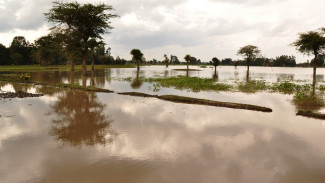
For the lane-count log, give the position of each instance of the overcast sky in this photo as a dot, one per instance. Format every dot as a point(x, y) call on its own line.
point(202, 28)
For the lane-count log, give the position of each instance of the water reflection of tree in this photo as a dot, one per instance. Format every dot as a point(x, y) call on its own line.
point(81, 120)
point(136, 83)
point(215, 76)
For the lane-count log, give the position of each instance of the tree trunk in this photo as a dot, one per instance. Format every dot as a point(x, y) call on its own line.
point(166, 63)
point(248, 65)
point(215, 69)
point(314, 69)
point(138, 65)
point(92, 79)
point(72, 65)
point(72, 77)
point(187, 65)
point(84, 60)
point(84, 80)
point(247, 76)
point(92, 62)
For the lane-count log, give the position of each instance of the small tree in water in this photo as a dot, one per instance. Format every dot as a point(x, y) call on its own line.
point(311, 42)
point(166, 60)
point(187, 59)
point(250, 52)
point(215, 62)
point(137, 56)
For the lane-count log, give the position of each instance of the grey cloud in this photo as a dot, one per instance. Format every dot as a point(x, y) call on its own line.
point(26, 15)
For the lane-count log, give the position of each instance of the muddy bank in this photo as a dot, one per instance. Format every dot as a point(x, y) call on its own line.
point(311, 114)
point(189, 100)
point(19, 94)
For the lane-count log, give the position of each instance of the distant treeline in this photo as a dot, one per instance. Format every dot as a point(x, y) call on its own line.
point(46, 51)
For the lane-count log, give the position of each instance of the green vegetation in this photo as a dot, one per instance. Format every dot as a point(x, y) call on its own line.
point(194, 84)
point(305, 101)
point(79, 27)
point(252, 86)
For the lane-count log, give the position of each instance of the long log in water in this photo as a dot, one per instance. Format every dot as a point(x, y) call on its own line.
point(189, 100)
point(311, 114)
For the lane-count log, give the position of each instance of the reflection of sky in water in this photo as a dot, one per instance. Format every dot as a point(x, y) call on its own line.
point(111, 78)
point(160, 141)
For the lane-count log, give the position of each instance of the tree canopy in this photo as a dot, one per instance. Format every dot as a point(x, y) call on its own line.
point(137, 55)
point(78, 24)
point(215, 61)
point(250, 52)
point(311, 42)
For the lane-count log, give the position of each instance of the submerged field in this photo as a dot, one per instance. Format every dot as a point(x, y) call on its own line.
point(76, 129)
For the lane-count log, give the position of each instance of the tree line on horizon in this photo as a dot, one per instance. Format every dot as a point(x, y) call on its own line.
point(45, 51)
point(76, 38)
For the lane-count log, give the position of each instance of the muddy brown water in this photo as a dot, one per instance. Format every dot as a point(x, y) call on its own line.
point(73, 136)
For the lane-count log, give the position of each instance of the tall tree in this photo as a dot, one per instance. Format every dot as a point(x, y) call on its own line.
point(250, 52)
point(187, 59)
point(20, 50)
point(215, 62)
point(137, 55)
point(4, 55)
point(82, 22)
point(48, 51)
point(312, 42)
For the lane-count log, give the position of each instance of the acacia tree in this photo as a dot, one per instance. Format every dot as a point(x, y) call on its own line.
point(311, 42)
point(215, 62)
point(187, 59)
point(81, 23)
point(137, 56)
point(250, 52)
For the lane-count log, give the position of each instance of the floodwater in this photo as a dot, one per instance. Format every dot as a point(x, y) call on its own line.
point(73, 136)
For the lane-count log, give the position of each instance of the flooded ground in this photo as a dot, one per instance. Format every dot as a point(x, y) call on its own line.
point(73, 136)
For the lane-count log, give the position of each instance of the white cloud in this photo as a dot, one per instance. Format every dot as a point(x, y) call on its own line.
point(203, 28)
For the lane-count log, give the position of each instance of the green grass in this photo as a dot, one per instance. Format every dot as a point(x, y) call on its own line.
point(252, 86)
point(14, 78)
point(288, 87)
point(194, 84)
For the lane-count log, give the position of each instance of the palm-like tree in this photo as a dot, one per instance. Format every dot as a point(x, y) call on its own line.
point(187, 59)
point(137, 55)
point(166, 60)
point(311, 42)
